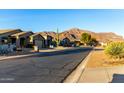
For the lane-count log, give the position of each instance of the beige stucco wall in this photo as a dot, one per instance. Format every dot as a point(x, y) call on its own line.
point(38, 40)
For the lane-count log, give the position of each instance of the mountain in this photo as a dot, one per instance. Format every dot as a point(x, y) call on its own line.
point(75, 34)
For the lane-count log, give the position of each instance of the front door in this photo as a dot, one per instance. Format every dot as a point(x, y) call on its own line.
point(22, 42)
point(13, 40)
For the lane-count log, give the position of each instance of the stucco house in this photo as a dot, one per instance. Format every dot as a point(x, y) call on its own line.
point(103, 43)
point(70, 41)
point(37, 40)
point(5, 35)
point(65, 42)
point(48, 40)
point(23, 39)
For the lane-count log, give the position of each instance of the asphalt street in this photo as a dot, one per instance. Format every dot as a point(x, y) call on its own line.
point(52, 67)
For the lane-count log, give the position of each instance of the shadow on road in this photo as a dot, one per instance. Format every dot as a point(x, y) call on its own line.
point(118, 78)
point(63, 52)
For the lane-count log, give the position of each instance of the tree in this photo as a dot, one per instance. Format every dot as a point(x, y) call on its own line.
point(85, 38)
point(93, 42)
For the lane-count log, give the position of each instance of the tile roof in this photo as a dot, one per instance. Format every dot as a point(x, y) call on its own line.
point(21, 33)
point(7, 30)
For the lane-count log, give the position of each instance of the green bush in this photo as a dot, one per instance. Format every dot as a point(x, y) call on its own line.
point(115, 50)
point(85, 38)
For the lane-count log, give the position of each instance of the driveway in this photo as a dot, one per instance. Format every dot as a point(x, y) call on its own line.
point(49, 67)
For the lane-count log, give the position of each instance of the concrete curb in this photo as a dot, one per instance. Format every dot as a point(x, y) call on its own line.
point(19, 56)
point(28, 55)
point(76, 74)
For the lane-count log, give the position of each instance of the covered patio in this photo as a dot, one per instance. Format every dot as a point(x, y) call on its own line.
point(21, 39)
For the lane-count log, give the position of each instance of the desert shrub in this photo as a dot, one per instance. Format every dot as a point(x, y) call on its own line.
point(54, 43)
point(115, 50)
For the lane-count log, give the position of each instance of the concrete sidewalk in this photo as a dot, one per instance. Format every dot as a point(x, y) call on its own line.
point(103, 75)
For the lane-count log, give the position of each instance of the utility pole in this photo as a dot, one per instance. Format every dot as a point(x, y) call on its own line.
point(58, 37)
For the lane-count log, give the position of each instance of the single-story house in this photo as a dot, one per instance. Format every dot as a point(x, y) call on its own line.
point(23, 39)
point(37, 40)
point(48, 40)
point(6, 34)
point(69, 40)
point(77, 43)
point(65, 42)
point(103, 43)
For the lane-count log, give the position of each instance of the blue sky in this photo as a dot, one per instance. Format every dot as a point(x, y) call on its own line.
point(49, 20)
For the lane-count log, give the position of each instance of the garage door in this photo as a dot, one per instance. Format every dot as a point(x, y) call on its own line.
point(39, 43)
